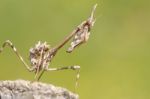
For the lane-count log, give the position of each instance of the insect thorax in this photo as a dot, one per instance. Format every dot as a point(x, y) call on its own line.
point(40, 56)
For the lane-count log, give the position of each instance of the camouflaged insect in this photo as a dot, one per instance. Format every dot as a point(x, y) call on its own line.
point(41, 54)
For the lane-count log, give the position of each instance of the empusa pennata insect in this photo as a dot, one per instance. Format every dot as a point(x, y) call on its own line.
point(42, 54)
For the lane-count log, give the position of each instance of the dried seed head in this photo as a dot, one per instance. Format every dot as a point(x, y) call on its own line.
point(39, 55)
point(83, 33)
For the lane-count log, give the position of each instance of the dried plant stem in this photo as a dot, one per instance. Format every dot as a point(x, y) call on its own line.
point(21, 89)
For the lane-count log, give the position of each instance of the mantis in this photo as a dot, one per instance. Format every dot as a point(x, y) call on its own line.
point(42, 54)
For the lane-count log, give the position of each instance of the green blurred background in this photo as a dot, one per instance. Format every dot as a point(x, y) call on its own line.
point(115, 63)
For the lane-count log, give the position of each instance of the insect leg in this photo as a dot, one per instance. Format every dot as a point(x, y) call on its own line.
point(77, 68)
point(10, 44)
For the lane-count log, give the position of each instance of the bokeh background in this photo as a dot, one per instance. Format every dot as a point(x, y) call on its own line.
point(115, 63)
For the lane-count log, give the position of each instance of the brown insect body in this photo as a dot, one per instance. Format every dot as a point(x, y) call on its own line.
point(40, 56)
